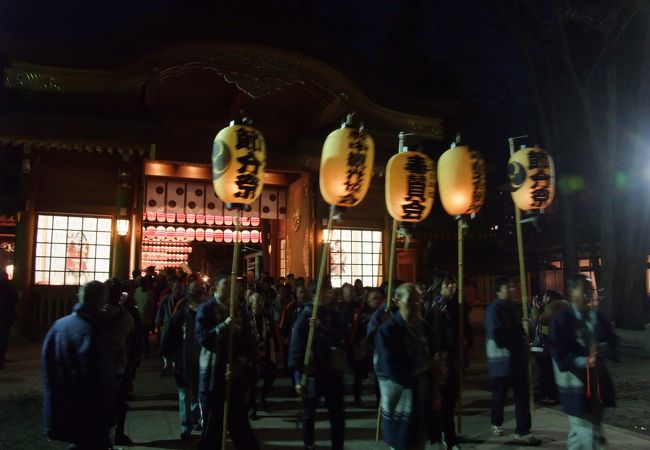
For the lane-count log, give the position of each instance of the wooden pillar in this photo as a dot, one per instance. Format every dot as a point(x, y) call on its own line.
point(121, 244)
point(25, 236)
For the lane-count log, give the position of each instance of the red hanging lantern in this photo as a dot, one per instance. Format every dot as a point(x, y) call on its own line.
point(227, 235)
point(218, 235)
point(200, 234)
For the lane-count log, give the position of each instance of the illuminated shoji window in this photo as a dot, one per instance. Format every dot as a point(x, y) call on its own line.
point(283, 257)
point(356, 254)
point(72, 249)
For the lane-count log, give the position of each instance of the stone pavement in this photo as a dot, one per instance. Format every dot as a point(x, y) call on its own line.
point(153, 418)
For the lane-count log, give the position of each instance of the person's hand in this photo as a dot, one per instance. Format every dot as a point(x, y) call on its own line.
point(298, 389)
point(228, 320)
point(165, 364)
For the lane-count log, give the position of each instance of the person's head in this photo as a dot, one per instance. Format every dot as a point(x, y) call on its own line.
point(256, 302)
point(93, 295)
point(551, 296)
point(374, 299)
point(115, 290)
point(300, 281)
point(579, 287)
point(406, 297)
point(503, 288)
point(196, 292)
point(281, 281)
point(301, 294)
point(136, 273)
point(220, 285)
point(347, 293)
point(178, 289)
point(444, 283)
point(358, 285)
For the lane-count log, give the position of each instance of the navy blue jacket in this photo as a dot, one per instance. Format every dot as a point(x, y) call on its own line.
point(331, 335)
point(569, 361)
point(78, 375)
point(505, 346)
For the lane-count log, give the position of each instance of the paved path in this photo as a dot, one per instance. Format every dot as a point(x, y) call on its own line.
point(153, 419)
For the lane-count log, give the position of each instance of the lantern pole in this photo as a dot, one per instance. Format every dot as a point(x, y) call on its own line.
point(523, 283)
point(231, 332)
point(461, 323)
point(319, 286)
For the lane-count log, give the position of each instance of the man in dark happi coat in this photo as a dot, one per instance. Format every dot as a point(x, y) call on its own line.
point(581, 339)
point(325, 373)
point(405, 367)
point(212, 331)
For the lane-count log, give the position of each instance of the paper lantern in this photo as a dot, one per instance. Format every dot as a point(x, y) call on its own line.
point(200, 234)
point(180, 234)
point(209, 219)
point(150, 232)
point(218, 235)
point(180, 217)
point(228, 220)
point(189, 234)
point(171, 217)
point(227, 235)
point(246, 236)
point(346, 166)
point(200, 218)
point(461, 180)
point(191, 218)
point(256, 237)
point(410, 186)
point(160, 232)
point(238, 164)
point(218, 220)
point(151, 216)
point(161, 216)
point(170, 233)
point(209, 235)
point(255, 221)
point(532, 178)
point(245, 221)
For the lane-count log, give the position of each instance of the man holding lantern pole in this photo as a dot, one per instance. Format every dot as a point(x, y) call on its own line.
point(580, 340)
point(507, 361)
point(325, 373)
point(212, 331)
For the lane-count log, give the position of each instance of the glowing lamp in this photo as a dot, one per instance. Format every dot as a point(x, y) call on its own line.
point(209, 235)
point(218, 235)
point(461, 180)
point(255, 221)
point(532, 179)
point(346, 166)
point(227, 235)
point(246, 236)
point(238, 164)
point(410, 186)
point(200, 234)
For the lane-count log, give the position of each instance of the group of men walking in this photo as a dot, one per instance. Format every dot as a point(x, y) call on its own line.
point(413, 346)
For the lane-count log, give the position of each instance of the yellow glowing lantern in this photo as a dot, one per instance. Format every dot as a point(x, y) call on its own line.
point(346, 166)
point(410, 186)
point(532, 178)
point(238, 164)
point(461, 180)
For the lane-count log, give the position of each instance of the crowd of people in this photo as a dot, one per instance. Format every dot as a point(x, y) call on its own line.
point(412, 350)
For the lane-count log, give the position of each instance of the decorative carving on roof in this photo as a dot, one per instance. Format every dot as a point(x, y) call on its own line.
point(33, 81)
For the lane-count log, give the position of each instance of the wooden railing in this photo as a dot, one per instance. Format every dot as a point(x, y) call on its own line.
point(46, 305)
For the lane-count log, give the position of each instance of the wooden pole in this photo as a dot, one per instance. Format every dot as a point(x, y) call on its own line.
point(319, 285)
point(461, 324)
point(524, 288)
point(391, 265)
point(231, 333)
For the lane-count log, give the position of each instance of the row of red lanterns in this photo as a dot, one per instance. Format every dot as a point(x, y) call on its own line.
point(166, 248)
point(201, 219)
point(200, 234)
